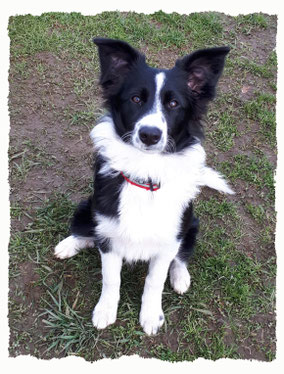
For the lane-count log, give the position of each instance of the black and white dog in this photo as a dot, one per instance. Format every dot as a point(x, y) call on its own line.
point(150, 165)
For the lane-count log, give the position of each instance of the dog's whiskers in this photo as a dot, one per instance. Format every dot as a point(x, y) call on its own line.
point(127, 137)
point(171, 145)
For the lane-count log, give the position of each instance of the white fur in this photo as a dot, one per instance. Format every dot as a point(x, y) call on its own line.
point(213, 179)
point(148, 222)
point(151, 314)
point(142, 243)
point(138, 164)
point(154, 118)
point(185, 171)
point(179, 276)
point(71, 246)
point(105, 311)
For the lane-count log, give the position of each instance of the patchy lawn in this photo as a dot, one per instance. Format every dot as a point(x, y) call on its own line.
point(54, 102)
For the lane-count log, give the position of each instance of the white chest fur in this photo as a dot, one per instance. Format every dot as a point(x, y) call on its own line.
point(149, 222)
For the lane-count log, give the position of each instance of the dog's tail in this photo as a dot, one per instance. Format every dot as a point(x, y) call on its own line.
point(83, 223)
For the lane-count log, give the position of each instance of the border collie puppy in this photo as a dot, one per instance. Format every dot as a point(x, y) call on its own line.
point(149, 167)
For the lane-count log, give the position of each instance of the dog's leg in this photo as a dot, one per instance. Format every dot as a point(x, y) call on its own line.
point(105, 311)
point(71, 246)
point(151, 314)
point(179, 276)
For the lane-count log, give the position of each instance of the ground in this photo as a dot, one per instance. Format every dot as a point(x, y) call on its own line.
point(54, 102)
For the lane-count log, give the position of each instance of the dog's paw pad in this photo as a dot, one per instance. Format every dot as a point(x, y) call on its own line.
point(103, 316)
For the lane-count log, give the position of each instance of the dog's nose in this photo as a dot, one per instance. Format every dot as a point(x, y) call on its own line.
point(150, 135)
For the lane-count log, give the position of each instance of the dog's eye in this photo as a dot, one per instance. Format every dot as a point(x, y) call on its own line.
point(136, 99)
point(173, 104)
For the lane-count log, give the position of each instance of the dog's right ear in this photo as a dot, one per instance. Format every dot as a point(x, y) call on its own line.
point(116, 59)
point(204, 68)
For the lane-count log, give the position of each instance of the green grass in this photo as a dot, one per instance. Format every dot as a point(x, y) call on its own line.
point(257, 212)
point(68, 328)
point(31, 156)
point(256, 171)
point(226, 129)
point(73, 32)
point(247, 23)
point(53, 76)
point(248, 66)
point(225, 282)
point(262, 109)
point(236, 277)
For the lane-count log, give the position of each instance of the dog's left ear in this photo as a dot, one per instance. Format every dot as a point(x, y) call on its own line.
point(204, 67)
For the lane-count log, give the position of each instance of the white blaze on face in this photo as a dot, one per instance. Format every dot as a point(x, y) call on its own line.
point(154, 118)
point(157, 109)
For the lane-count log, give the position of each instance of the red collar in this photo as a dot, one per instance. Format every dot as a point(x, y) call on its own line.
point(149, 186)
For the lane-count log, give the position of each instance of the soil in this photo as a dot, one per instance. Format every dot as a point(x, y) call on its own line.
point(37, 117)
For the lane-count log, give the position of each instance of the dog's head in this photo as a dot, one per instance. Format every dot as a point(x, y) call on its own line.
point(158, 110)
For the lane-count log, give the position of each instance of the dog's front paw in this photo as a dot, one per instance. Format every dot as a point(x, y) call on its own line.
point(104, 315)
point(151, 320)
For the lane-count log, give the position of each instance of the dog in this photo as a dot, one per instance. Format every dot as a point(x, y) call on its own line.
point(149, 167)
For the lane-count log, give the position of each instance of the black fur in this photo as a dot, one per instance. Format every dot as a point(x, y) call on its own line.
point(104, 200)
point(157, 113)
point(124, 74)
point(107, 189)
point(192, 82)
point(83, 223)
point(188, 233)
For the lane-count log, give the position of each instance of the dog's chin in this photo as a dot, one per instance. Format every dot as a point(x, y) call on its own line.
point(156, 148)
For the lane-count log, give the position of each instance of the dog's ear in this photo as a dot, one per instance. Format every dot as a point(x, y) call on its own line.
point(116, 59)
point(204, 67)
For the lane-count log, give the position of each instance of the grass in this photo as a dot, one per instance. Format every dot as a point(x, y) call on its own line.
point(262, 109)
point(254, 171)
point(73, 32)
point(247, 23)
point(226, 129)
point(53, 103)
point(73, 330)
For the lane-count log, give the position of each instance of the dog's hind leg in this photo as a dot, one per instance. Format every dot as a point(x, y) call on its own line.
point(71, 246)
point(82, 232)
point(179, 275)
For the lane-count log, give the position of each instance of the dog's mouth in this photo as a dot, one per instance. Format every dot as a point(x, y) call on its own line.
point(149, 139)
point(165, 145)
point(155, 148)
